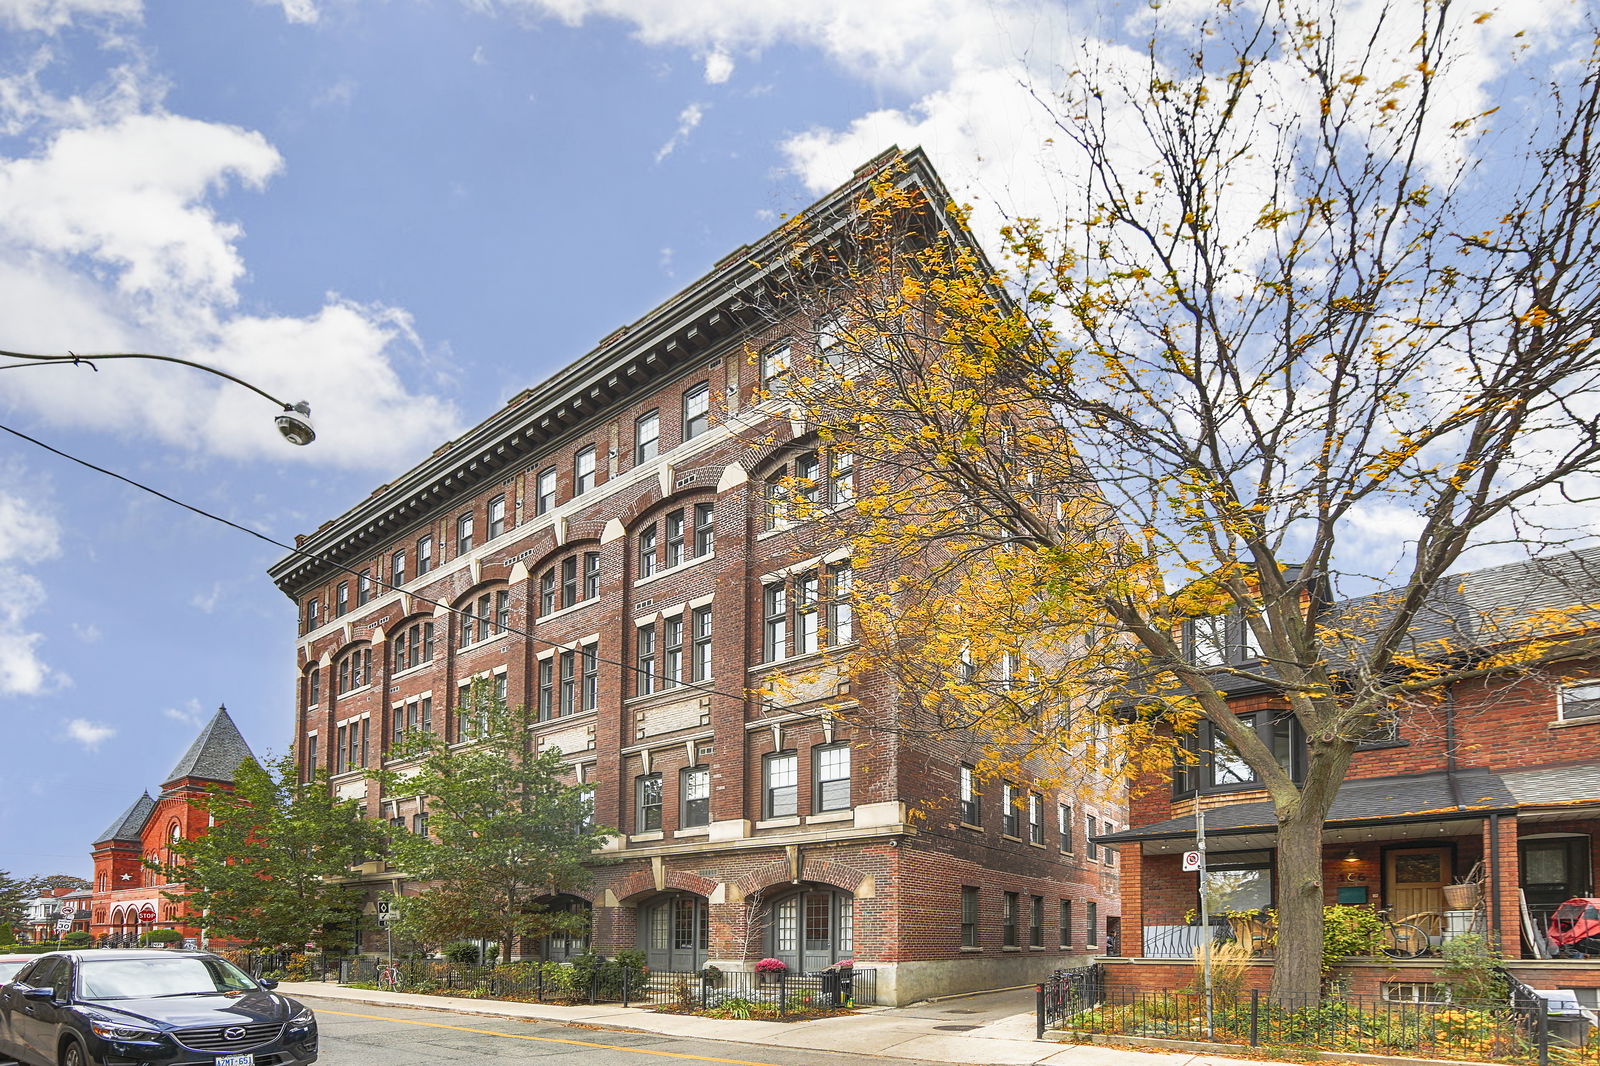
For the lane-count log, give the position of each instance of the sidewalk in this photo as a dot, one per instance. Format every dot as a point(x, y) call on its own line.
point(924, 1032)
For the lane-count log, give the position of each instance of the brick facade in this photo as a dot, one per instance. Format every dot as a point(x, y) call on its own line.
point(598, 571)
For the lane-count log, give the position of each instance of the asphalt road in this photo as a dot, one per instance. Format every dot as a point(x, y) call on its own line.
point(358, 1035)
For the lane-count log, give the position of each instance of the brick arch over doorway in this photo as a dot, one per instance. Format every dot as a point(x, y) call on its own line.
point(642, 883)
point(815, 871)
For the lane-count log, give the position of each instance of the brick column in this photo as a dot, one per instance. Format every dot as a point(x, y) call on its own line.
point(1132, 889)
point(1500, 884)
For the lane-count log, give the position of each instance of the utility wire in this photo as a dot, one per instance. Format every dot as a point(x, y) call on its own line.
point(314, 557)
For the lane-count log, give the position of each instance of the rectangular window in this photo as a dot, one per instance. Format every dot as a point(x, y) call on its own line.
point(969, 916)
point(672, 651)
point(311, 754)
point(842, 480)
point(700, 649)
point(675, 543)
point(646, 437)
point(645, 670)
point(775, 626)
point(780, 785)
point(971, 812)
point(397, 568)
point(1090, 849)
point(340, 750)
point(583, 471)
point(1008, 920)
point(695, 786)
point(775, 368)
point(1579, 699)
point(464, 534)
point(497, 517)
point(419, 823)
point(704, 532)
point(424, 555)
point(502, 610)
point(427, 714)
point(545, 500)
point(647, 551)
point(830, 339)
point(589, 698)
point(647, 803)
point(1036, 923)
point(776, 494)
point(569, 683)
point(1109, 849)
point(832, 790)
point(547, 592)
point(1208, 640)
point(1035, 818)
point(315, 696)
point(1008, 811)
point(569, 581)
point(806, 485)
point(1091, 923)
point(697, 410)
point(806, 621)
point(342, 598)
point(547, 689)
point(363, 587)
point(1238, 881)
point(841, 620)
point(591, 575)
point(1064, 824)
point(313, 617)
point(1066, 923)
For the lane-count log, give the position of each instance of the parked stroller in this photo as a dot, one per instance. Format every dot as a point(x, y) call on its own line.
point(1575, 926)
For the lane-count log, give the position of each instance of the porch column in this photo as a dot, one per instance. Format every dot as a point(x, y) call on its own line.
point(1501, 885)
point(1132, 889)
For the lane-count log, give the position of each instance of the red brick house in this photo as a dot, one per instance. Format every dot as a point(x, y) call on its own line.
point(604, 549)
point(128, 898)
point(1501, 775)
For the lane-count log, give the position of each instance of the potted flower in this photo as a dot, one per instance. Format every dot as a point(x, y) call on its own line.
point(771, 970)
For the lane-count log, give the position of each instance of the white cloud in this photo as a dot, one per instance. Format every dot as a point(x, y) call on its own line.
point(90, 734)
point(189, 714)
point(304, 11)
point(208, 600)
point(479, 59)
point(87, 632)
point(52, 15)
point(719, 67)
point(688, 119)
point(29, 534)
point(110, 226)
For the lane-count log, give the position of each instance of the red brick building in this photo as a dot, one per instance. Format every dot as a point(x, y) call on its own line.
point(129, 898)
point(1503, 772)
point(602, 549)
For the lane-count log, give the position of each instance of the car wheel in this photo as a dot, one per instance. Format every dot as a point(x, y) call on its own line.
point(72, 1054)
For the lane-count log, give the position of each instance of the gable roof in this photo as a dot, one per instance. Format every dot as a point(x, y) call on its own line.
point(215, 754)
point(130, 823)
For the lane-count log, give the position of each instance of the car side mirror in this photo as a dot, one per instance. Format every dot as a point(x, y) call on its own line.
point(267, 982)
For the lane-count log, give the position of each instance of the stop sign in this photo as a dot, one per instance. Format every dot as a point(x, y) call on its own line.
point(147, 913)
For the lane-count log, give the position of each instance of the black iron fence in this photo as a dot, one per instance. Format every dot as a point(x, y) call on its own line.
point(1521, 1028)
point(591, 981)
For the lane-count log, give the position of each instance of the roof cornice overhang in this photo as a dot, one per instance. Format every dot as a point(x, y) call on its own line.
point(695, 324)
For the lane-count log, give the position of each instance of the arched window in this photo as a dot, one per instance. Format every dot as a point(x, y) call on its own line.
point(413, 645)
point(484, 616)
point(355, 669)
point(569, 582)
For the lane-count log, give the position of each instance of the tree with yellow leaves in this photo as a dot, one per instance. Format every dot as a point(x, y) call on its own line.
point(1314, 330)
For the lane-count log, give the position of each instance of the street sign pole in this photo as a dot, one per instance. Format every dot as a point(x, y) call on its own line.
point(1205, 907)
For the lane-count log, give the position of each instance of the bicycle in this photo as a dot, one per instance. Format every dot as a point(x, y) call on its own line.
point(390, 979)
point(1402, 940)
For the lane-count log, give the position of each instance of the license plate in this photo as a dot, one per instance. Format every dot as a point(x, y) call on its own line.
point(236, 1060)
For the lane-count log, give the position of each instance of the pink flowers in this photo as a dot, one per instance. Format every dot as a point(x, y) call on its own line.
point(772, 966)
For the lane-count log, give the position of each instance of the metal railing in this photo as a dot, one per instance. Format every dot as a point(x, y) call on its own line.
point(1519, 1029)
point(1182, 941)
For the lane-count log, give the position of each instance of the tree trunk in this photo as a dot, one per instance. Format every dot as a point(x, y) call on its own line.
point(1297, 969)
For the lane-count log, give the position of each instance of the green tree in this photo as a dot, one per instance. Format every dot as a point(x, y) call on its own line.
point(267, 870)
point(506, 830)
point(1285, 348)
point(15, 894)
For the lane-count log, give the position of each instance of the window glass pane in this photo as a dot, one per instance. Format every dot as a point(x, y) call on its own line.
point(1238, 889)
point(1209, 645)
point(1228, 766)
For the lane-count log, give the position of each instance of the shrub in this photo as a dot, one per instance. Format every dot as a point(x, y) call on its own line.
point(80, 939)
point(1349, 931)
point(159, 936)
point(1472, 969)
point(462, 953)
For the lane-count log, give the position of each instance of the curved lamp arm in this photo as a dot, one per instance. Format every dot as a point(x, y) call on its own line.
point(294, 422)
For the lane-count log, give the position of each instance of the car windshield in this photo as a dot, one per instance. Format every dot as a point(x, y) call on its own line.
point(8, 970)
point(178, 976)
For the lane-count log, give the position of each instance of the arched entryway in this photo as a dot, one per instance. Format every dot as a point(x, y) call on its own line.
point(674, 932)
point(559, 947)
point(811, 928)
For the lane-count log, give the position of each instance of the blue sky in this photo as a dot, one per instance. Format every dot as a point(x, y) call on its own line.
point(404, 211)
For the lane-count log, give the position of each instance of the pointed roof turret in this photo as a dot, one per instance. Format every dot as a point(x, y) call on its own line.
point(215, 754)
point(130, 823)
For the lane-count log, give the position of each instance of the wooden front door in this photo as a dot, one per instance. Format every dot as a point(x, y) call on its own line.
point(1416, 878)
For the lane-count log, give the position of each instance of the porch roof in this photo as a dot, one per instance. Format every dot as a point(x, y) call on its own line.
point(1555, 786)
point(1433, 797)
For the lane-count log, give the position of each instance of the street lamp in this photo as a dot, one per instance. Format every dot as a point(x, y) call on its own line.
point(293, 420)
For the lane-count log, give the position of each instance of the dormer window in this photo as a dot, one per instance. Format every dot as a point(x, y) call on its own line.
point(1215, 765)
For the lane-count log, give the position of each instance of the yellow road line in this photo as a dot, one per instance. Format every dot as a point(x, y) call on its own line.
point(547, 1039)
